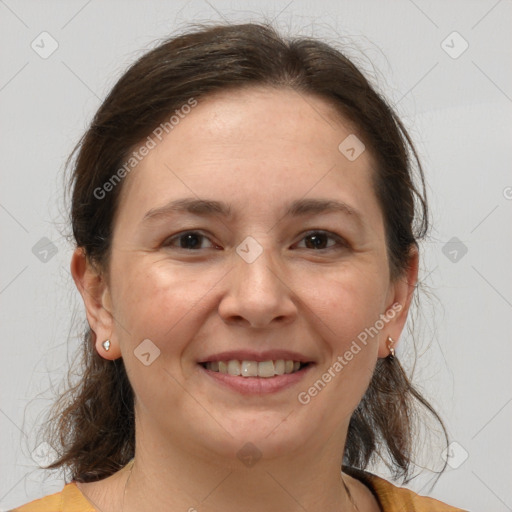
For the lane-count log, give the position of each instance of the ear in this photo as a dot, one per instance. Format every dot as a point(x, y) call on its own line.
point(93, 288)
point(398, 303)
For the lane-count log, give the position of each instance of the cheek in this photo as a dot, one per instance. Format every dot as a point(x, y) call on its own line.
point(348, 307)
point(337, 387)
point(166, 305)
point(157, 302)
point(347, 301)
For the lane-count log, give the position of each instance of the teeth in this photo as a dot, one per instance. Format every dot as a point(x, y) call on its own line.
point(249, 369)
point(233, 368)
point(266, 369)
point(279, 367)
point(263, 369)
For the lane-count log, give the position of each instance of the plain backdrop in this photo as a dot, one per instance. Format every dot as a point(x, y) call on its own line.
point(444, 66)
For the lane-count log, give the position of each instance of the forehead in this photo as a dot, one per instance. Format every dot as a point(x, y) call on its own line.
point(252, 147)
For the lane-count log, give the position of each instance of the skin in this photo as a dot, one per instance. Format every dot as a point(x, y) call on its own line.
point(256, 149)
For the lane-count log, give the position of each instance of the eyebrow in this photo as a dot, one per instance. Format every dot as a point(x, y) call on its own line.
point(205, 207)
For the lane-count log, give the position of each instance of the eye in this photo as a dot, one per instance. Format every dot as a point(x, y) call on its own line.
point(188, 240)
point(194, 240)
point(318, 240)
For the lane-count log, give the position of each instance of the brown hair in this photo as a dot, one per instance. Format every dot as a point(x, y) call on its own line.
point(94, 420)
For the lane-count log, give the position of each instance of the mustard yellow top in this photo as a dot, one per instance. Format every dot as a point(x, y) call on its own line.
point(389, 497)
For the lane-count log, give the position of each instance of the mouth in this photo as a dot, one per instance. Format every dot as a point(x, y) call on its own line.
point(260, 369)
point(253, 373)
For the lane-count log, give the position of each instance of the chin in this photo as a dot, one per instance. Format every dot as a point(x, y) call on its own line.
point(251, 436)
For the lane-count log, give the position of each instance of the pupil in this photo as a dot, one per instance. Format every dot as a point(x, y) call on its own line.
point(316, 240)
point(189, 241)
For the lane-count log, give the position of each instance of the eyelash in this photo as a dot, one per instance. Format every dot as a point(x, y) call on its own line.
point(340, 241)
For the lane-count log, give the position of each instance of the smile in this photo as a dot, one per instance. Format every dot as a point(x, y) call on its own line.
point(263, 369)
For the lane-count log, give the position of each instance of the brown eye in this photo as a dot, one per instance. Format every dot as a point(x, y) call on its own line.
point(190, 240)
point(319, 240)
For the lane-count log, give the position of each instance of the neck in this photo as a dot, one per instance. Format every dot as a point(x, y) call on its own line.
point(175, 478)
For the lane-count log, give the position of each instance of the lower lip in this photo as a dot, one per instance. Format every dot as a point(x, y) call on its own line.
point(258, 385)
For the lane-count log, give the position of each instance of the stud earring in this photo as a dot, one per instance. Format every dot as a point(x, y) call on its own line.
point(106, 345)
point(390, 342)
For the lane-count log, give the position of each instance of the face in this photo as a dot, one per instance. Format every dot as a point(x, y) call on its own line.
point(246, 235)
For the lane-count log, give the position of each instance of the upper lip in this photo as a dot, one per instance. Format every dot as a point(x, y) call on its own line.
point(251, 355)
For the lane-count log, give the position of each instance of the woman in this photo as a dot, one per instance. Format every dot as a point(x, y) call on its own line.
point(247, 227)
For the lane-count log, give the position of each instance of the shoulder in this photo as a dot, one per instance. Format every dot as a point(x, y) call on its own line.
point(397, 499)
point(70, 499)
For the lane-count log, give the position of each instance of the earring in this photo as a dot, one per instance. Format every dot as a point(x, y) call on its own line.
point(106, 345)
point(390, 342)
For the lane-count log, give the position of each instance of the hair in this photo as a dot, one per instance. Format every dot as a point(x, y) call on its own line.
point(93, 420)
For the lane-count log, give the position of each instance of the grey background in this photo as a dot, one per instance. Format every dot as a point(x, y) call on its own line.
point(458, 111)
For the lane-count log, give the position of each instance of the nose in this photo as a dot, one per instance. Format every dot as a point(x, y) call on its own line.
point(258, 294)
